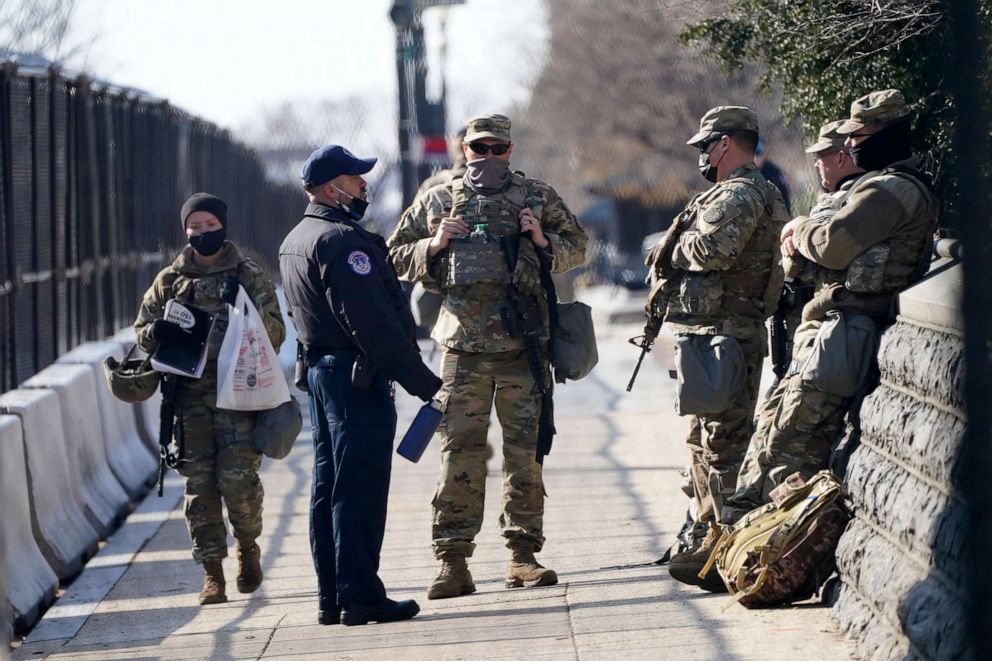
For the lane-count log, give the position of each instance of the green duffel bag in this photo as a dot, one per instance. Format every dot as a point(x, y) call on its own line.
point(843, 353)
point(574, 351)
point(711, 373)
point(276, 429)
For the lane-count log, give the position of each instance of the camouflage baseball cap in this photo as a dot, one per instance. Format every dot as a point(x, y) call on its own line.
point(487, 126)
point(877, 108)
point(722, 119)
point(829, 138)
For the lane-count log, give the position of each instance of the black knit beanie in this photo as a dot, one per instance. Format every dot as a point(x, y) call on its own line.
point(204, 202)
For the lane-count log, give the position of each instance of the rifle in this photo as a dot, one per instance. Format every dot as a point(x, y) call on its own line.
point(659, 260)
point(166, 425)
point(644, 342)
point(522, 318)
point(778, 341)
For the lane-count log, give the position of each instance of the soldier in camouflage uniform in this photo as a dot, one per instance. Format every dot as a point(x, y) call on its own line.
point(481, 361)
point(426, 304)
point(837, 173)
point(861, 246)
point(717, 272)
point(219, 460)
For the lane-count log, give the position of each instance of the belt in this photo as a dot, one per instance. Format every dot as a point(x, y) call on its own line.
point(328, 351)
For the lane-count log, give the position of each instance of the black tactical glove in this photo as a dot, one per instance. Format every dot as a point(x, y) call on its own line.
point(229, 290)
point(166, 331)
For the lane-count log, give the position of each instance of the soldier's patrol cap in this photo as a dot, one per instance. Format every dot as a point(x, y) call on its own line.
point(875, 109)
point(829, 138)
point(488, 126)
point(722, 119)
point(331, 161)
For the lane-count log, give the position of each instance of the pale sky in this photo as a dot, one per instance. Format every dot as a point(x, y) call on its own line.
point(226, 60)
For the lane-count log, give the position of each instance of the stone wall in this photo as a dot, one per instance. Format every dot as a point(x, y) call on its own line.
point(900, 560)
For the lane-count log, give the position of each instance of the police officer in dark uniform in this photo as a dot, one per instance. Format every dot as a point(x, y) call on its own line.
point(357, 336)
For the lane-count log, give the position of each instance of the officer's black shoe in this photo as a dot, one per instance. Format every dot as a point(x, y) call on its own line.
point(331, 616)
point(387, 611)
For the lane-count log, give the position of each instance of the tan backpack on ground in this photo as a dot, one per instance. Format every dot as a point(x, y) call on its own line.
point(784, 551)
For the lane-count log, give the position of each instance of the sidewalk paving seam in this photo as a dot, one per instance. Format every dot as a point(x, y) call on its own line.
point(268, 642)
point(571, 624)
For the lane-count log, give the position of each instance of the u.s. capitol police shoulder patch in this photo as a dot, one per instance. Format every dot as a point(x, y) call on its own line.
point(360, 263)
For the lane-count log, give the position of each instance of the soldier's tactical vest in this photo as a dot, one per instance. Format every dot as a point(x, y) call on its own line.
point(904, 259)
point(808, 272)
point(887, 266)
point(737, 300)
point(206, 292)
point(482, 266)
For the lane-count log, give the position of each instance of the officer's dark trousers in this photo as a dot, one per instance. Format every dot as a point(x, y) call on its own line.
point(353, 439)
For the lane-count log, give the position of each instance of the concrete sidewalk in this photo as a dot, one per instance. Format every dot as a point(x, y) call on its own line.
point(614, 505)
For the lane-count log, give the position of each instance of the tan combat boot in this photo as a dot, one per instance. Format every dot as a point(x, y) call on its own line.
point(454, 580)
point(249, 568)
point(685, 567)
point(213, 583)
point(525, 571)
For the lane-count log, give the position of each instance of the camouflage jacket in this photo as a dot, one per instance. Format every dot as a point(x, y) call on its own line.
point(441, 177)
point(724, 274)
point(805, 271)
point(880, 238)
point(185, 280)
point(470, 318)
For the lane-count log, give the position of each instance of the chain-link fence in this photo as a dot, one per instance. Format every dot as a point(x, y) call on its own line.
point(91, 181)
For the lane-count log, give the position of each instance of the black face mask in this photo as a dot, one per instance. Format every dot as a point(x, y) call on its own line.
point(209, 243)
point(356, 208)
point(707, 169)
point(879, 150)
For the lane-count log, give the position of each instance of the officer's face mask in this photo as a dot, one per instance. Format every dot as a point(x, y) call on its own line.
point(881, 149)
point(356, 209)
point(706, 168)
point(208, 243)
point(487, 176)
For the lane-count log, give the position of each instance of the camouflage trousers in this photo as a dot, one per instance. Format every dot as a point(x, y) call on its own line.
point(219, 462)
point(795, 430)
point(717, 442)
point(472, 381)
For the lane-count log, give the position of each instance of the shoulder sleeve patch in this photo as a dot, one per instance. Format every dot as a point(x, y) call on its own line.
point(713, 215)
point(359, 262)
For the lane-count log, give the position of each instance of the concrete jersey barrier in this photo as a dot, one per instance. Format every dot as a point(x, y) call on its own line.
point(103, 496)
point(59, 525)
point(132, 462)
point(28, 582)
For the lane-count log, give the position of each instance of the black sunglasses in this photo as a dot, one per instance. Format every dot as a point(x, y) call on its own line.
point(705, 144)
point(483, 148)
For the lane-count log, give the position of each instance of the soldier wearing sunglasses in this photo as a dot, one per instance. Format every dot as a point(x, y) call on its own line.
point(458, 239)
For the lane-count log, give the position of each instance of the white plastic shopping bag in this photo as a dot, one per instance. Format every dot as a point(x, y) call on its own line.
point(249, 377)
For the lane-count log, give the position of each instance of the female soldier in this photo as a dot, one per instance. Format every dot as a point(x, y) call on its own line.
point(218, 459)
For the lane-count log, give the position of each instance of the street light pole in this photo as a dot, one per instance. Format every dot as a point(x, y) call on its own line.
point(417, 116)
point(403, 14)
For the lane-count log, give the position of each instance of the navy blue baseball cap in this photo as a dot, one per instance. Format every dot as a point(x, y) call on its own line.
point(331, 161)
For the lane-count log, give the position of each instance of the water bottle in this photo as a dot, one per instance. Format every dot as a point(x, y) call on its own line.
point(479, 234)
point(420, 432)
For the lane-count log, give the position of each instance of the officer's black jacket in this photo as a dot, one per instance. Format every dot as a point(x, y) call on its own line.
point(342, 295)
